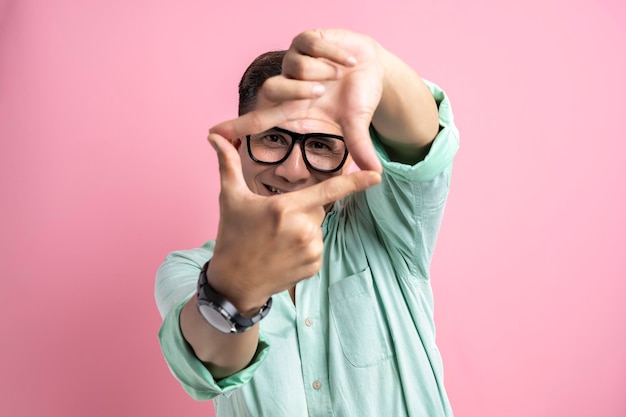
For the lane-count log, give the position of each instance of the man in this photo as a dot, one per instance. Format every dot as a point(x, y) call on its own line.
point(292, 319)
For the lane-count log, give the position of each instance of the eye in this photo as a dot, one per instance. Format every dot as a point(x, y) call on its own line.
point(325, 146)
point(317, 144)
point(274, 140)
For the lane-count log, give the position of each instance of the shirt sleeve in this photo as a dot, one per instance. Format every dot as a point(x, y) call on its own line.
point(407, 207)
point(176, 282)
point(442, 150)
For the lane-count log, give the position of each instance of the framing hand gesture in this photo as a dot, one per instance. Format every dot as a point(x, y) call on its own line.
point(265, 245)
point(333, 75)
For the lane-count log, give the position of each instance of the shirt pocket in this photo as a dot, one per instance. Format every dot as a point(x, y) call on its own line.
point(357, 318)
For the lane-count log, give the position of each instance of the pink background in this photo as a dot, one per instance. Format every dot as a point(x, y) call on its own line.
point(104, 169)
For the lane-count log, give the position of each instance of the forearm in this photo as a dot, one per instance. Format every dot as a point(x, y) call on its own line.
point(222, 354)
point(406, 117)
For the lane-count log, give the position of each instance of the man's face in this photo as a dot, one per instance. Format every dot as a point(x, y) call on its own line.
point(292, 174)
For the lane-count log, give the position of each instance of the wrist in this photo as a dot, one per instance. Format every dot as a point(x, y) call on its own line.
point(221, 313)
point(247, 302)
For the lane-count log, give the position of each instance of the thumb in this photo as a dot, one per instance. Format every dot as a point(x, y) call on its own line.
point(231, 175)
point(334, 188)
point(359, 143)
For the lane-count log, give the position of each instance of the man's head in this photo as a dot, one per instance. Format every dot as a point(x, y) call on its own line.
point(293, 172)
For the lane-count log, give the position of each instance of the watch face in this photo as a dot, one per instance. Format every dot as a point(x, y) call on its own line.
point(215, 319)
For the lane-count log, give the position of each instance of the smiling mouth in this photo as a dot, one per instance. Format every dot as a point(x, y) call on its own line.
point(273, 190)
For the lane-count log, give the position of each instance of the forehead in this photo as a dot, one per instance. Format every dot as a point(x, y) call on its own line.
point(312, 120)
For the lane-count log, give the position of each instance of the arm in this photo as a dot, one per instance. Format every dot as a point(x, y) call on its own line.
point(175, 294)
point(406, 117)
point(222, 354)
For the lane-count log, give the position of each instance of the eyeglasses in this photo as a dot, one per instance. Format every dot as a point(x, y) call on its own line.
point(321, 152)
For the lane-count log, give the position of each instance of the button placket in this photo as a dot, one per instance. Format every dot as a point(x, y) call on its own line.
point(312, 347)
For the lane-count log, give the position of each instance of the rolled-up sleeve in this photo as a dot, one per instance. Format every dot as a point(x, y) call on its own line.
point(407, 207)
point(442, 151)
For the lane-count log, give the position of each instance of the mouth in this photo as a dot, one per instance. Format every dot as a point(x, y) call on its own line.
point(273, 190)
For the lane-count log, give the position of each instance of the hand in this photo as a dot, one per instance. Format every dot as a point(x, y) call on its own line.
point(265, 245)
point(333, 74)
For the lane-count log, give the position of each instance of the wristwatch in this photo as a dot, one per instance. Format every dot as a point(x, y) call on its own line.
point(220, 313)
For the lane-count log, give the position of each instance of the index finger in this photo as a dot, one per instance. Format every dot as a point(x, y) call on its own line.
point(266, 117)
point(252, 122)
point(334, 188)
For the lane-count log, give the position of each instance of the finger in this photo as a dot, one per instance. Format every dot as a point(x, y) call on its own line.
point(319, 44)
point(252, 122)
point(231, 175)
point(278, 89)
point(266, 117)
point(303, 67)
point(333, 189)
point(359, 143)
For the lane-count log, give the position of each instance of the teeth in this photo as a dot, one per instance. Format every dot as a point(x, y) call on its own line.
point(275, 190)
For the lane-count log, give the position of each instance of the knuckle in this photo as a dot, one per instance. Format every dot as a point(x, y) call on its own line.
point(277, 209)
point(313, 267)
point(305, 236)
point(308, 42)
point(269, 85)
point(294, 68)
point(317, 249)
point(312, 35)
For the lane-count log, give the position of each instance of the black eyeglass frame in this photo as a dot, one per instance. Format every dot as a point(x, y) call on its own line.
point(301, 137)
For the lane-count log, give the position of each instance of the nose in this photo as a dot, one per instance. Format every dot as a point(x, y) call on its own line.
point(293, 169)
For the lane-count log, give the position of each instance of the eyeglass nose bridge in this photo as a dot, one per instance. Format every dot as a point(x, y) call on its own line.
point(300, 138)
point(296, 137)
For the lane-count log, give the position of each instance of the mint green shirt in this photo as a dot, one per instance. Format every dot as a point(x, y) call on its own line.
point(360, 339)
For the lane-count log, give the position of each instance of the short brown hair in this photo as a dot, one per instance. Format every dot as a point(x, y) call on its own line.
point(263, 67)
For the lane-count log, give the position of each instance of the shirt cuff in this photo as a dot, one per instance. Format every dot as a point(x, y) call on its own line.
point(442, 150)
point(191, 372)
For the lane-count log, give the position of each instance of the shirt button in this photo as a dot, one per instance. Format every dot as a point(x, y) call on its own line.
point(317, 385)
point(308, 322)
